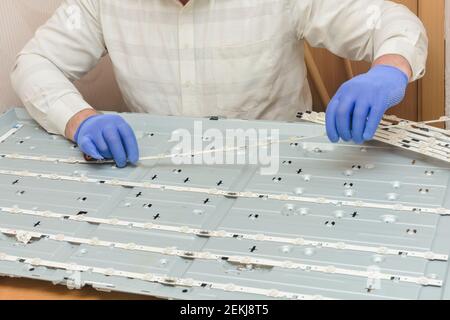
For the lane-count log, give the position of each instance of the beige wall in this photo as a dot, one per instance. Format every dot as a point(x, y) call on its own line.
point(19, 19)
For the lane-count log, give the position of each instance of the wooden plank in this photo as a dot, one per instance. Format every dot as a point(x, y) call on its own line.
point(432, 86)
point(333, 74)
point(315, 76)
point(25, 289)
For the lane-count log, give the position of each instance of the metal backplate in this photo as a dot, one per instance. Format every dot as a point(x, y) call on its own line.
point(148, 241)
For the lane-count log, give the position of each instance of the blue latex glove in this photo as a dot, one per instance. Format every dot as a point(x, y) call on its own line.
point(108, 137)
point(357, 109)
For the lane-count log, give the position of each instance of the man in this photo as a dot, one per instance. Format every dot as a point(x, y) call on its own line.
point(234, 58)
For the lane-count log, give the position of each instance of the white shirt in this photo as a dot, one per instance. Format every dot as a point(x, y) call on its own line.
point(233, 58)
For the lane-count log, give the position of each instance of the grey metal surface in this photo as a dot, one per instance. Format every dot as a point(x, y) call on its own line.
point(375, 171)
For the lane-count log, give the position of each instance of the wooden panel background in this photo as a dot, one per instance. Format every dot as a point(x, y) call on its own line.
point(425, 99)
point(432, 86)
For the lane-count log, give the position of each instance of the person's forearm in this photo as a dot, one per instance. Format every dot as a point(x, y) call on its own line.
point(397, 61)
point(76, 120)
point(53, 60)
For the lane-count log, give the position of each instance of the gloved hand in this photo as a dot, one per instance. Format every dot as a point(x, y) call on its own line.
point(108, 137)
point(357, 109)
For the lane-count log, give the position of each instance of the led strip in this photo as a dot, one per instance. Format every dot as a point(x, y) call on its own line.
point(11, 132)
point(230, 235)
point(230, 194)
point(161, 279)
point(406, 123)
point(74, 160)
point(26, 236)
point(412, 136)
point(424, 139)
point(410, 140)
point(263, 144)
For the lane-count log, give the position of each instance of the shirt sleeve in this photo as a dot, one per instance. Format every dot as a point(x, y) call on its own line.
point(363, 30)
point(62, 51)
